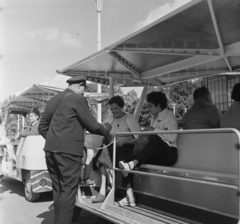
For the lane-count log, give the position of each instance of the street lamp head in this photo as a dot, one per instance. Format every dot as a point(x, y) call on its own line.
point(99, 5)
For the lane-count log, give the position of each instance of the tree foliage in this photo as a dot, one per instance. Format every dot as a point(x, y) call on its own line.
point(11, 120)
point(131, 100)
point(92, 87)
point(179, 94)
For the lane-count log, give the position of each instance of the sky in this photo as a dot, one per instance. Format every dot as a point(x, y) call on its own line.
point(39, 37)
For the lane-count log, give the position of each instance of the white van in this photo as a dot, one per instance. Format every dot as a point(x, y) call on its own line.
point(29, 166)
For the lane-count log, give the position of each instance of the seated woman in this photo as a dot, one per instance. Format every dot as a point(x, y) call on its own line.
point(231, 118)
point(161, 149)
point(34, 117)
point(121, 122)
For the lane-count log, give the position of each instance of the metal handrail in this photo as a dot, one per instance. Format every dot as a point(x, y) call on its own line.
point(194, 131)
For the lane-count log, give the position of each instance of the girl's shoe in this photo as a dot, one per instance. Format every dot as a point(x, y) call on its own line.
point(124, 166)
point(89, 182)
point(99, 198)
point(126, 202)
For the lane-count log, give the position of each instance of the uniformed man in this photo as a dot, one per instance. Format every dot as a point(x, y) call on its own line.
point(62, 125)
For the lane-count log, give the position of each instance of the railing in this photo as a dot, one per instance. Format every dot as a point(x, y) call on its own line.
point(111, 197)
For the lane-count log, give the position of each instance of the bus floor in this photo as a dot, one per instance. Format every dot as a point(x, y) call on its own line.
point(149, 210)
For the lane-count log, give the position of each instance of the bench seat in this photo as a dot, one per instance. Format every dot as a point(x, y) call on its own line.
point(211, 159)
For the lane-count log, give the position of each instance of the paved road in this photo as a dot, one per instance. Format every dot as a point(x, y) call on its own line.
point(14, 209)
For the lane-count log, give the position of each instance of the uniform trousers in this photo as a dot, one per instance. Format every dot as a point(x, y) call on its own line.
point(64, 170)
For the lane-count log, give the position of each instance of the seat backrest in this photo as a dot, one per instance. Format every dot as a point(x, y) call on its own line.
point(30, 153)
point(212, 152)
point(93, 141)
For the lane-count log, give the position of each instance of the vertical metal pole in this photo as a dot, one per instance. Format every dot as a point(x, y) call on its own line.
point(18, 127)
point(23, 122)
point(137, 111)
point(111, 86)
point(238, 193)
point(99, 89)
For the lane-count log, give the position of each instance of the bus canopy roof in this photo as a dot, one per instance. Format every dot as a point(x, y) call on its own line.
point(201, 38)
point(36, 96)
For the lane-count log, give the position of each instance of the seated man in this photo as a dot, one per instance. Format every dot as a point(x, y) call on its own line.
point(34, 116)
point(203, 114)
point(231, 118)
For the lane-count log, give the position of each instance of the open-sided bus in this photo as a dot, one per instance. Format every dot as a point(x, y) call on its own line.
point(199, 39)
point(26, 161)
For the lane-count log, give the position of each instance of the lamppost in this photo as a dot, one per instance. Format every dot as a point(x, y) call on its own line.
point(174, 107)
point(185, 110)
point(99, 6)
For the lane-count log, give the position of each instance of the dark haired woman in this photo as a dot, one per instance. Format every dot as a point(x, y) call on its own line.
point(121, 122)
point(161, 149)
point(231, 118)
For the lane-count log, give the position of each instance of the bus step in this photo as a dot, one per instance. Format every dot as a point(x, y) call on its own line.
point(128, 215)
point(89, 191)
point(141, 216)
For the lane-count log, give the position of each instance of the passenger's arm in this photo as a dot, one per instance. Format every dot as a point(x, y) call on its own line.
point(133, 125)
point(34, 129)
point(87, 119)
point(169, 125)
point(214, 116)
point(24, 134)
point(43, 126)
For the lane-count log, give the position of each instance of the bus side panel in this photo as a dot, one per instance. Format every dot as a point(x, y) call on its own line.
point(30, 155)
point(40, 181)
point(208, 197)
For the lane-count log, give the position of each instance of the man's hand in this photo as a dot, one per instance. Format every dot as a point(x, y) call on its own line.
point(121, 143)
point(108, 126)
point(148, 129)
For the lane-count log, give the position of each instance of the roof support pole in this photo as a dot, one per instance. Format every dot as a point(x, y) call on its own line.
point(218, 34)
point(111, 86)
point(18, 126)
point(23, 122)
point(140, 103)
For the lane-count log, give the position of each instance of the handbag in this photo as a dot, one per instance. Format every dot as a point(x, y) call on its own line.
point(140, 143)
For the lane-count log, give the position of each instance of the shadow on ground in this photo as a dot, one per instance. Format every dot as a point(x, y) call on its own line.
point(12, 185)
point(85, 218)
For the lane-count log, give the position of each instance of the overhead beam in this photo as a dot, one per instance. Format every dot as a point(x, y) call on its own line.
point(18, 107)
point(128, 65)
point(183, 74)
point(37, 100)
point(169, 51)
point(45, 89)
point(232, 50)
point(178, 66)
point(219, 38)
point(100, 74)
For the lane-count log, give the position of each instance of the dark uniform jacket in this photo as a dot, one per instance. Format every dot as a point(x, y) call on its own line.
point(63, 126)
